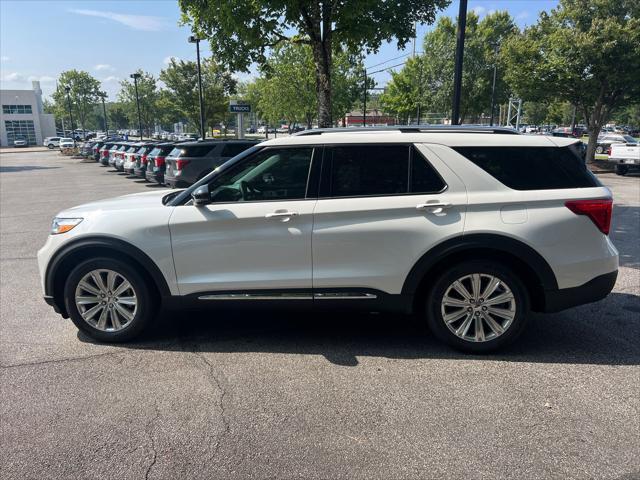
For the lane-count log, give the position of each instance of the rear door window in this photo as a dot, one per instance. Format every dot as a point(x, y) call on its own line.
point(533, 168)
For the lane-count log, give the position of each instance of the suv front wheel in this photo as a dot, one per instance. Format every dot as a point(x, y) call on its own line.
point(477, 306)
point(108, 300)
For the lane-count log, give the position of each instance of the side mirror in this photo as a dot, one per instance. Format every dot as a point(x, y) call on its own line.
point(201, 196)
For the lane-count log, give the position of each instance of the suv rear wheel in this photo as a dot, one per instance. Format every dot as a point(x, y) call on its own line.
point(477, 306)
point(108, 300)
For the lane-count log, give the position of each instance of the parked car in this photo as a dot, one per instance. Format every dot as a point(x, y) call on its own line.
point(140, 167)
point(86, 149)
point(451, 224)
point(132, 158)
point(625, 156)
point(20, 142)
point(117, 155)
point(105, 151)
point(605, 141)
point(189, 162)
point(156, 162)
point(51, 142)
point(66, 142)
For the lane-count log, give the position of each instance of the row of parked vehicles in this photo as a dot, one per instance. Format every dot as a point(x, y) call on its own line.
point(175, 163)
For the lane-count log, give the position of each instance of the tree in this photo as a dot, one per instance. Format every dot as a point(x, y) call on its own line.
point(118, 117)
point(181, 80)
point(426, 81)
point(241, 31)
point(286, 89)
point(83, 95)
point(585, 52)
point(148, 95)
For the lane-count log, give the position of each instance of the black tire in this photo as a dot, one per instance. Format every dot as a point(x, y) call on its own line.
point(434, 299)
point(145, 310)
point(50, 146)
point(599, 149)
point(621, 169)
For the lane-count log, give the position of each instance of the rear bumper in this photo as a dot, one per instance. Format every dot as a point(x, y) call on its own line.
point(155, 177)
point(174, 182)
point(592, 291)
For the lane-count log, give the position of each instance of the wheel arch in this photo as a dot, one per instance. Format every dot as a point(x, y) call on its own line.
point(82, 249)
point(536, 273)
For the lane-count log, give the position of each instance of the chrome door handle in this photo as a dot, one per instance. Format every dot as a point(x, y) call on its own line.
point(435, 207)
point(281, 214)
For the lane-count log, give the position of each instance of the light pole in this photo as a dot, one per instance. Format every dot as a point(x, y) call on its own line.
point(68, 89)
point(196, 40)
point(102, 96)
point(135, 77)
point(457, 74)
point(493, 85)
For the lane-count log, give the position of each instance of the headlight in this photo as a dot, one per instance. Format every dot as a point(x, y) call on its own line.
point(63, 225)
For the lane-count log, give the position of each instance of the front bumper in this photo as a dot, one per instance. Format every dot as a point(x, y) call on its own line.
point(592, 291)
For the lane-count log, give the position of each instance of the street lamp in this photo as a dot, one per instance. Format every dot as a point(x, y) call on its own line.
point(102, 96)
point(196, 40)
point(135, 77)
point(68, 89)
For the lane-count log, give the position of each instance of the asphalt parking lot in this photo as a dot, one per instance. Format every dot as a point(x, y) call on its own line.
point(238, 395)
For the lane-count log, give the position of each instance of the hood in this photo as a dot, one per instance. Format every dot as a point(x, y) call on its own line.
point(125, 202)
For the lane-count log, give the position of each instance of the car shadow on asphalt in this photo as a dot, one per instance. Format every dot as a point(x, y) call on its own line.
point(624, 234)
point(23, 168)
point(603, 333)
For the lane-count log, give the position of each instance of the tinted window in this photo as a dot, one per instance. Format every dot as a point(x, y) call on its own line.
point(155, 151)
point(532, 168)
point(233, 149)
point(367, 170)
point(192, 150)
point(270, 174)
point(424, 178)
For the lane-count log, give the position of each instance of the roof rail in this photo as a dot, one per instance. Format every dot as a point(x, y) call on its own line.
point(414, 129)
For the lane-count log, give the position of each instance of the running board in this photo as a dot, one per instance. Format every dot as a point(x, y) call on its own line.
point(290, 296)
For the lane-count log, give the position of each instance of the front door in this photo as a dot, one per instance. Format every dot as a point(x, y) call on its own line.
point(256, 232)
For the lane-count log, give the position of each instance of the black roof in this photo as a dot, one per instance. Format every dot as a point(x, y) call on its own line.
point(415, 129)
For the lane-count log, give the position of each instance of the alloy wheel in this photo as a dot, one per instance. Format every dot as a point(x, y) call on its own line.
point(106, 300)
point(478, 307)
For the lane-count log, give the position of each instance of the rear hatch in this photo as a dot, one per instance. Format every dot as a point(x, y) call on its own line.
point(182, 155)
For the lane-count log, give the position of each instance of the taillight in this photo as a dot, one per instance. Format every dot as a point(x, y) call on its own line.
point(105, 153)
point(143, 159)
point(599, 211)
point(609, 150)
point(180, 164)
point(159, 161)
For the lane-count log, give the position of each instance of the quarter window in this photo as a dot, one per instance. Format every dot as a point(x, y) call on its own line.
point(532, 168)
point(270, 174)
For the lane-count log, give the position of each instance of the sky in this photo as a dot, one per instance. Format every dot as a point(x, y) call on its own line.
point(39, 39)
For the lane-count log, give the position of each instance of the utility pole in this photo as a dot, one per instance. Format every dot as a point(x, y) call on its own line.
point(135, 77)
point(364, 100)
point(493, 84)
point(102, 96)
point(68, 89)
point(196, 40)
point(457, 76)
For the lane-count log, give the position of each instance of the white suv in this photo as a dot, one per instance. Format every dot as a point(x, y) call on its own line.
point(469, 228)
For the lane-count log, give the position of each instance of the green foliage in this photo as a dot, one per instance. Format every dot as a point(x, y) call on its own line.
point(241, 32)
point(118, 117)
point(586, 52)
point(182, 98)
point(148, 95)
point(83, 94)
point(426, 81)
point(286, 89)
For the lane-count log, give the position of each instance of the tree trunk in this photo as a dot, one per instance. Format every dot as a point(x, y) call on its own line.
point(322, 59)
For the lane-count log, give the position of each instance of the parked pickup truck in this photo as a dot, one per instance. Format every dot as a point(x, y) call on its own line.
point(625, 156)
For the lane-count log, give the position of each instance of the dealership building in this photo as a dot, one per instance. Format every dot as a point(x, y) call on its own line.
point(23, 117)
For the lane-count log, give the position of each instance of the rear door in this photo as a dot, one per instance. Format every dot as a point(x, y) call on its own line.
point(380, 208)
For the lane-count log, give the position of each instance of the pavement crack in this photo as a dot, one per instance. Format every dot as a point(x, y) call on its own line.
point(223, 414)
point(148, 430)
point(62, 360)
